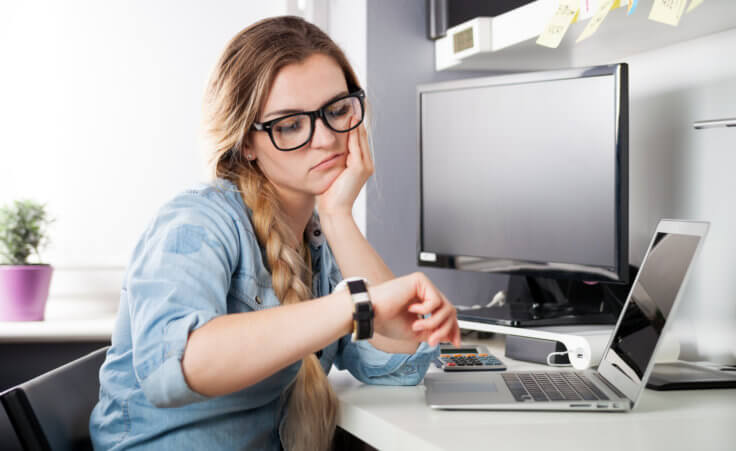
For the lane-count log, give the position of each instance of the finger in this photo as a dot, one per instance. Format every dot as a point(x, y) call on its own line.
point(354, 152)
point(441, 334)
point(429, 296)
point(427, 304)
point(455, 334)
point(434, 321)
point(366, 148)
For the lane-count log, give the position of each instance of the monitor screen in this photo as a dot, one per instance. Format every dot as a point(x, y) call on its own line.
point(526, 174)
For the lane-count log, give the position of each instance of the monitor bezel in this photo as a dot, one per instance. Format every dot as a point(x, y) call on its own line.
point(556, 270)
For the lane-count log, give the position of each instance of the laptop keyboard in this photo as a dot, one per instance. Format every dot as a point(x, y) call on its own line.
point(552, 386)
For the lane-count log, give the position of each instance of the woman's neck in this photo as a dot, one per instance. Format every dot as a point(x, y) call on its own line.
point(298, 209)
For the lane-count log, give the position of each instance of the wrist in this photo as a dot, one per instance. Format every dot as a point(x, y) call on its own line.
point(363, 313)
point(343, 303)
point(335, 219)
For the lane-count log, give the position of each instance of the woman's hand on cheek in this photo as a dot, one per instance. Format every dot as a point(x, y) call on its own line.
point(340, 196)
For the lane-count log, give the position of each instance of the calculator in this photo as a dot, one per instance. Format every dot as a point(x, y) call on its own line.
point(468, 358)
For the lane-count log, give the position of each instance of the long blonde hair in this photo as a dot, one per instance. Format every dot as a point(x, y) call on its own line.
point(237, 90)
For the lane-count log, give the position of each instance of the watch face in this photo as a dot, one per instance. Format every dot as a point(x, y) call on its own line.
point(357, 286)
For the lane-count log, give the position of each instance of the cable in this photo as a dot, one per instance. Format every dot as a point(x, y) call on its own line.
point(578, 351)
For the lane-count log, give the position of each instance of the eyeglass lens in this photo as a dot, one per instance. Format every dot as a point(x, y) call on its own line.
point(295, 131)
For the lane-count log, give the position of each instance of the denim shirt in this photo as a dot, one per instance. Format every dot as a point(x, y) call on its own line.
point(198, 259)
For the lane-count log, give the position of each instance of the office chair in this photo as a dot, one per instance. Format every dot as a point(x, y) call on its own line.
point(52, 410)
point(8, 438)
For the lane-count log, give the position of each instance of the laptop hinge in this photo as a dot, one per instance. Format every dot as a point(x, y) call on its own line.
point(611, 387)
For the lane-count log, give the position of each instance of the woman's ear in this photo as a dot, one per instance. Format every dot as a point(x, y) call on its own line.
point(248, 150)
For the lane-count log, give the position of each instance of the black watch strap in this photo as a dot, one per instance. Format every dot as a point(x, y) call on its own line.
point(362, 310)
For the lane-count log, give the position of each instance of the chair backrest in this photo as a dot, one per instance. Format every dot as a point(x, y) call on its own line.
point(8, 438)
point(52, 410)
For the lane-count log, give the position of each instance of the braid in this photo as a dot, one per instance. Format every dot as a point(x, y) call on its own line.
point(312, 405)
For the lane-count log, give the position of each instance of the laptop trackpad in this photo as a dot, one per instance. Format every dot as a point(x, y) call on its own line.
point(465, 387)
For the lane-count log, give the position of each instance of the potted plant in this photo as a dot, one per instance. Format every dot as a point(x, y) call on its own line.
point(24, 286)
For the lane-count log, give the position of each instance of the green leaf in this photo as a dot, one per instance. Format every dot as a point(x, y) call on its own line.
point(23, 227)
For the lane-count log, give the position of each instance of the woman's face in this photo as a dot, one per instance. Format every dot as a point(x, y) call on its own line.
point(304, 86)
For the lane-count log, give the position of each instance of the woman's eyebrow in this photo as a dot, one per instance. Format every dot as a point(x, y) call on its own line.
point(289, 111)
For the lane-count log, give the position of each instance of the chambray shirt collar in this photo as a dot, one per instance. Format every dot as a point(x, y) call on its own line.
point(314, 228)
point(314, 232)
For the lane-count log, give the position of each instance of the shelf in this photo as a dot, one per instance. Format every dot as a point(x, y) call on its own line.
point(507, 42)
point(66, 320)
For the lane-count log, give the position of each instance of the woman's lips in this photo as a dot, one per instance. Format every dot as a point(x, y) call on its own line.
point(327, 162)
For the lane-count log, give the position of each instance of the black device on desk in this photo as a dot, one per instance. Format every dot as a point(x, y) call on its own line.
point(527, 174)
point(683, 375)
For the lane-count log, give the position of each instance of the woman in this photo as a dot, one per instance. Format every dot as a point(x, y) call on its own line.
point(214, 346)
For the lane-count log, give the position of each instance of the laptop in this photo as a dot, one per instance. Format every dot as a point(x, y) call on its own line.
point(627, 361)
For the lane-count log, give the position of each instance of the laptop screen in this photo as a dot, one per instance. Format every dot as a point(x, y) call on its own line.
point(650, 303)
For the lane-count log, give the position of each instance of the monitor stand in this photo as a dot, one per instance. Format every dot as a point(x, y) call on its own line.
point(537, 302)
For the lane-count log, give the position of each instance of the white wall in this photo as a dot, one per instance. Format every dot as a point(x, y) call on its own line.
point(679, 172)
point(100, 118)
point(346, 24)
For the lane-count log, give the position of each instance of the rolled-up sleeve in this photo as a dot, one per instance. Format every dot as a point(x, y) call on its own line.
point(373, 366)
point(177, 281)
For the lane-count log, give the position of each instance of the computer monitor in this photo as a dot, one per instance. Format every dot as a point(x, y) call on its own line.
point(527, 174)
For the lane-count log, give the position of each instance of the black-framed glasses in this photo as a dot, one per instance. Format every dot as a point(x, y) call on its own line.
point(294, 130)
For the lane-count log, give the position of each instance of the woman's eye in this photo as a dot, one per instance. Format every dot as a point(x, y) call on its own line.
point(288, 126)
point(339, 110)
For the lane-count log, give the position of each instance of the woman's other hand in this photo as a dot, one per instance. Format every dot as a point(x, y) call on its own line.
point(398, 302)
point(340, 196)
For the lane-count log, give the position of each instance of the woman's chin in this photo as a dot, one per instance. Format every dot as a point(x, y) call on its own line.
point(326, 181)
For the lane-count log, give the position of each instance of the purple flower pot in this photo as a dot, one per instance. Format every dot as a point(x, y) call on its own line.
point(24, 291)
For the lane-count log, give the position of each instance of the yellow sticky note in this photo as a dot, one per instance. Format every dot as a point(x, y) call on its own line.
point(694, 4)
point(667, 11)
point(559, 23)
point(600, 15)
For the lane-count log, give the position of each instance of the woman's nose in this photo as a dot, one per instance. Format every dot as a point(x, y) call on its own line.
point(323, 135)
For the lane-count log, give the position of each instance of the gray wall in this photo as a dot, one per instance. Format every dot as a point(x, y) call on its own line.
point(675, 171)
point(399, 57)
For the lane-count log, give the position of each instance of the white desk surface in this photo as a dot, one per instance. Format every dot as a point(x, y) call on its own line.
point(397, 418)
point(64, 321)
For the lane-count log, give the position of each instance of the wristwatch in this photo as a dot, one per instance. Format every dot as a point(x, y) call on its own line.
point(362, 307)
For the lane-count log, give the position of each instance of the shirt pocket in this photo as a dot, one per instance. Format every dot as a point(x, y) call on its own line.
point(249, 293)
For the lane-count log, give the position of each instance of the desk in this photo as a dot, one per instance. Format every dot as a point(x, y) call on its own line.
point(71, 329)
point(397, 418)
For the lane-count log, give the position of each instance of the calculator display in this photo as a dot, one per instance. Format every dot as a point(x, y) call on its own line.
point(459, 351)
